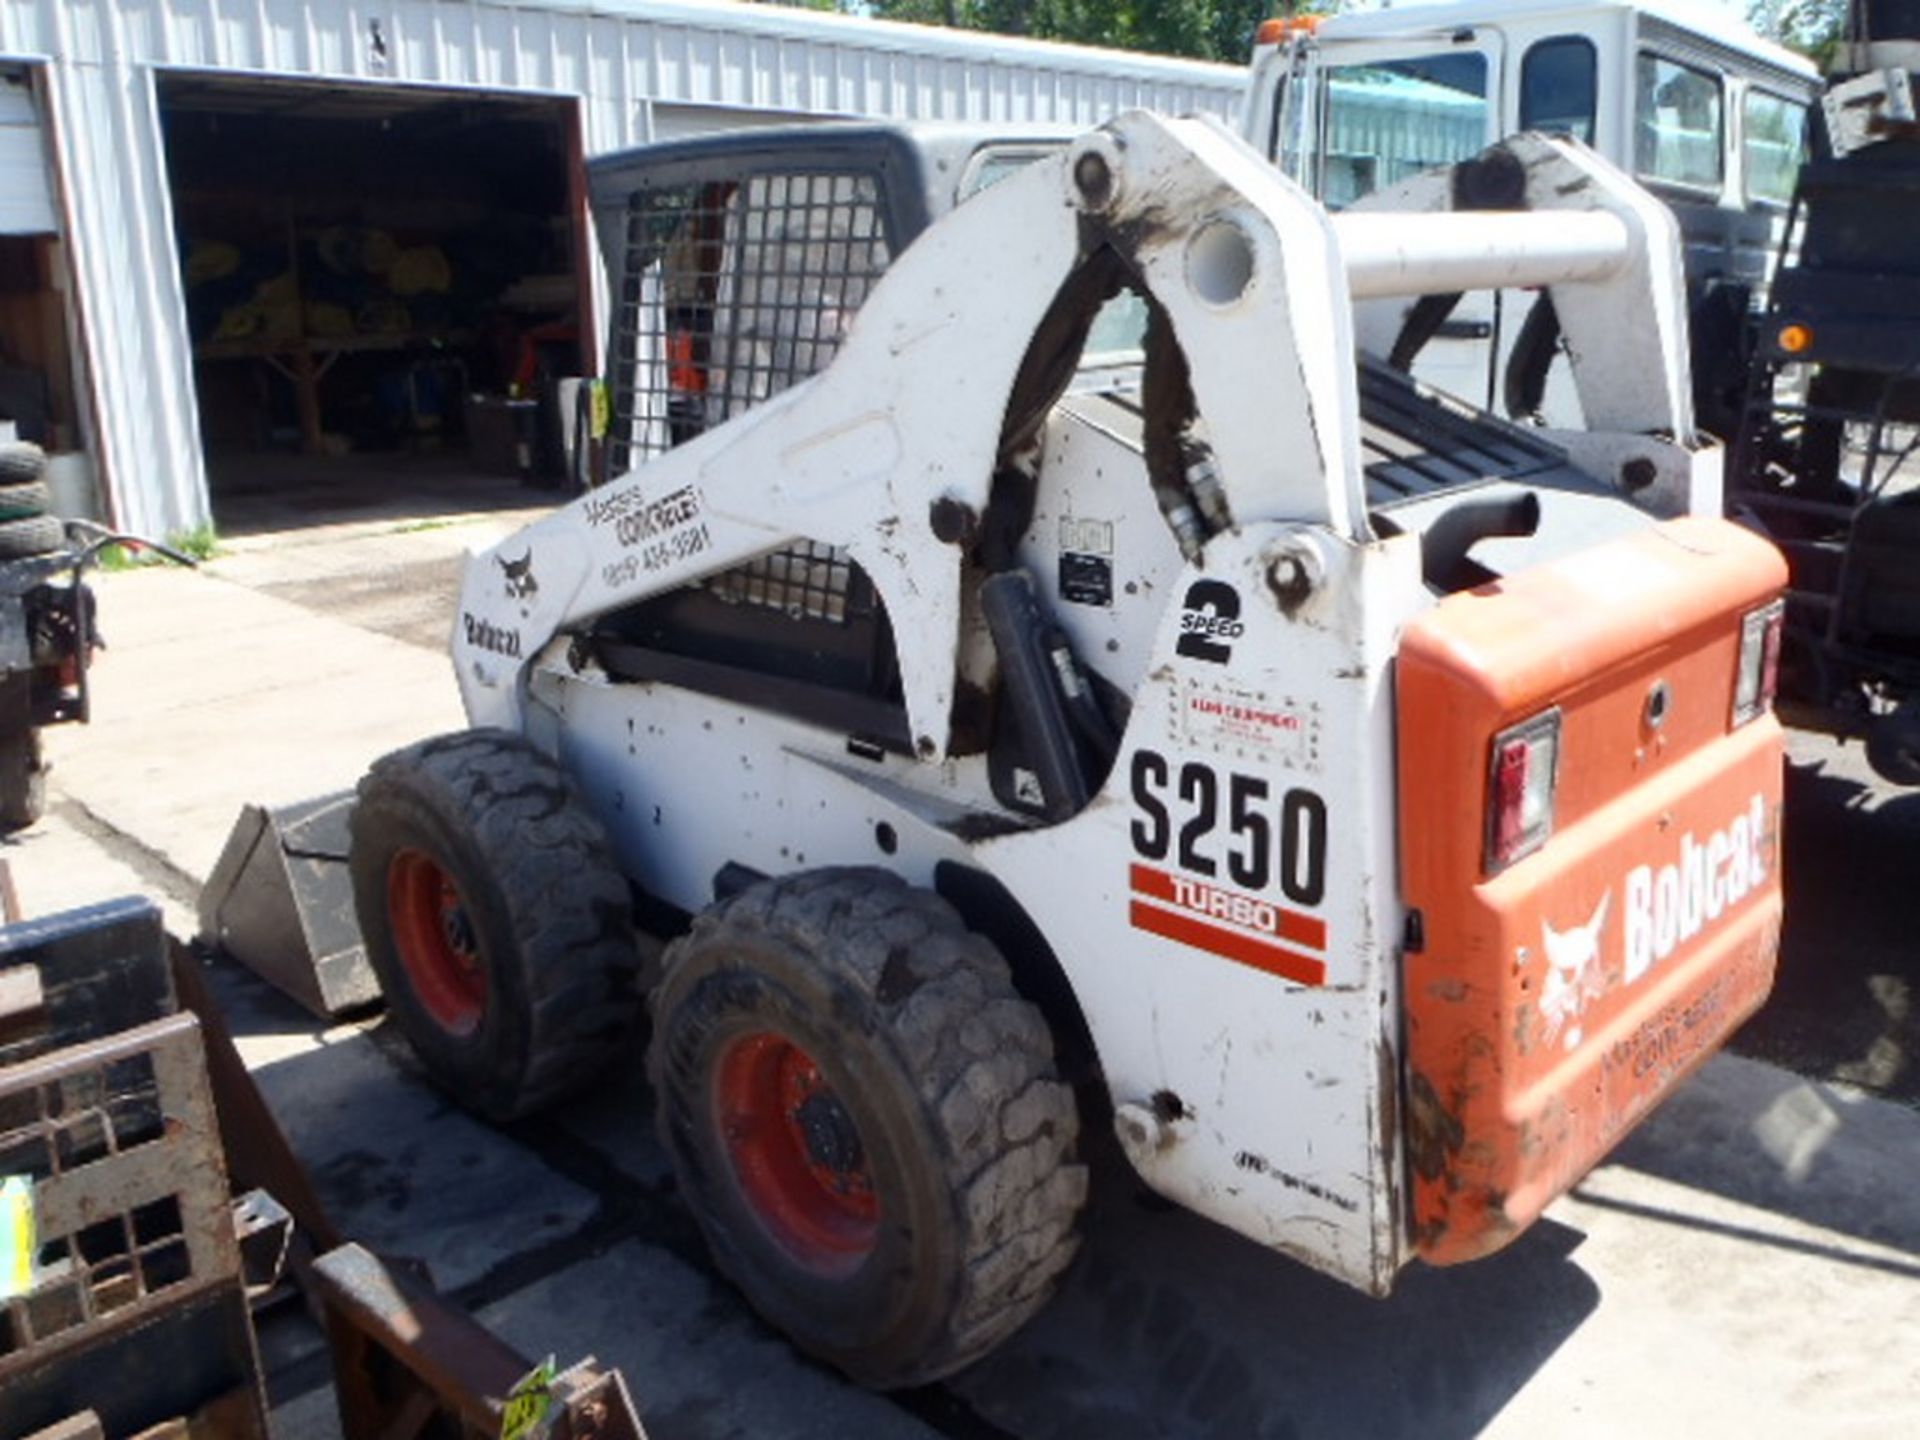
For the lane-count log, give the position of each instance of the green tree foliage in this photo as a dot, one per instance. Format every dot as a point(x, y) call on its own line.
point(1223, 29)
point(1202, 29)
point(1812, 27)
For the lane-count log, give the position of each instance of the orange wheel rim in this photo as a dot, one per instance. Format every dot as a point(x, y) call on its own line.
point(796, 1152)
point(433, 931)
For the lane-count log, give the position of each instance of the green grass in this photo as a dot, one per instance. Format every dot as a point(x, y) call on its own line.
point(200, 543)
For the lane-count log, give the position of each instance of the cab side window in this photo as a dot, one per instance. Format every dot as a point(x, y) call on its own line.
point(1772, 145)
point(1558, 87)
point(1679, 124)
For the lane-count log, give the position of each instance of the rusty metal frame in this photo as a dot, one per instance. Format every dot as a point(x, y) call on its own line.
point(181, 1162)
point(404, 1357)
point(131, 1194)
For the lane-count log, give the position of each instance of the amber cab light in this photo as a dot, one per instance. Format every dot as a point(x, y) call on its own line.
point(1277, 28)
point(1520, 787)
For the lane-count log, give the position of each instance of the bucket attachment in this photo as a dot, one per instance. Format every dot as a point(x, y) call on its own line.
point(280, 902)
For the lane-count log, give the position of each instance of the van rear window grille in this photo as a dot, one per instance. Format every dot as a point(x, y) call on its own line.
point(732, 292)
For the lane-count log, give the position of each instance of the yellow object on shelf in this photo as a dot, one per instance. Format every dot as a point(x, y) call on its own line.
point(282, 289)
point(211, 260)
point(378, 251)
point(327, 321)
point(420, 270)
point(239, 322)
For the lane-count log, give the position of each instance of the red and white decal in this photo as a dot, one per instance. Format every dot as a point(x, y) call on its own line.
point(1229, 923)
point(1231, 721)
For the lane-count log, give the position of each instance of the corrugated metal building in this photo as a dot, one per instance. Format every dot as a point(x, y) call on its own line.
point(113, 84)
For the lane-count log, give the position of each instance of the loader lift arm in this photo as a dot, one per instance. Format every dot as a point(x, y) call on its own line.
point(891, 453)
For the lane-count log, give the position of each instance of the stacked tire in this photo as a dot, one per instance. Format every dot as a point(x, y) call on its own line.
point(26, 529)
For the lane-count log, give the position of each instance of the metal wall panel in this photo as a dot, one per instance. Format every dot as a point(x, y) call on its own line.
point(618, 57)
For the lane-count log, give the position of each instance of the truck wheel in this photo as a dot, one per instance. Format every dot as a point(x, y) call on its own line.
point(25, 500)
point(23, 781)
point(21, 460)
point(37, 535)
point(865, 1117)
point(495, 919)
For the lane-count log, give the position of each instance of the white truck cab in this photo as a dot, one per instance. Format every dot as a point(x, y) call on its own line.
point(1696, 106)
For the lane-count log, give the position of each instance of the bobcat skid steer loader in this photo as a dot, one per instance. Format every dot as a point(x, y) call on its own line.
point(1384, 806)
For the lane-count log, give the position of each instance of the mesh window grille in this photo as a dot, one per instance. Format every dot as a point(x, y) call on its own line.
point(810, 581)
point(733, 292)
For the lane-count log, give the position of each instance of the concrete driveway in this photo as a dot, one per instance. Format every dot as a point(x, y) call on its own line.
point(1748, 1264)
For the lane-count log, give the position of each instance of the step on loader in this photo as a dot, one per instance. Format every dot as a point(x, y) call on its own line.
point(1039, 672)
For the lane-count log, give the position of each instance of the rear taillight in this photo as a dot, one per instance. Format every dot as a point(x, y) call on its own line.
point(1758, 673)
point(1526, 762)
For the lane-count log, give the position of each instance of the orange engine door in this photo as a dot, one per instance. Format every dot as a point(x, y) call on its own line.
point(1553, 1002)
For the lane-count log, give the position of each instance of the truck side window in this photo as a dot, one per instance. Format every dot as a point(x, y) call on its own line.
point(1679, 124)
point(1557, 87)
point(1771, 147)
point(1394, 118)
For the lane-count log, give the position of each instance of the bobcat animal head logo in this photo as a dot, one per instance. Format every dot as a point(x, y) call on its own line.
point(1574, 977)
point(519, 576)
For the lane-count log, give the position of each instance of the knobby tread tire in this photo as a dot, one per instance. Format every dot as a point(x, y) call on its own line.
point(36, 535)
point(552, 911)
point(24, 500)
point(936, 1003)
point(20, 461)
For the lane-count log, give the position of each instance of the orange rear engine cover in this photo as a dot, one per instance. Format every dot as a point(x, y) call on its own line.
point(1551, 1006)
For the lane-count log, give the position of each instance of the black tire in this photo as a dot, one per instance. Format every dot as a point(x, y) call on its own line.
point(22, 539)
point(536, 930)
point(20, 461)
point(25, 500)
point(961, 1134)
point(1893, 746)
point(23, 781)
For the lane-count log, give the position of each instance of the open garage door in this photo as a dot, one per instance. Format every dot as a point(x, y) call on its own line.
point(384, 291)
point(40, 386)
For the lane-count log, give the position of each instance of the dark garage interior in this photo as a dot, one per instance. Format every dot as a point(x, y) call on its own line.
point(383, 290)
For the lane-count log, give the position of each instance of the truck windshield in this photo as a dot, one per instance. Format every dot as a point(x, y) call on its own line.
point(1388, 119)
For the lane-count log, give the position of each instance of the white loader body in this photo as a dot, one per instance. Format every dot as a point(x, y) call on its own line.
point(1227, 905)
